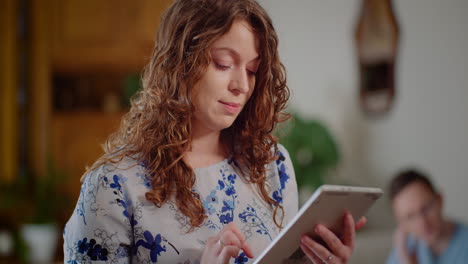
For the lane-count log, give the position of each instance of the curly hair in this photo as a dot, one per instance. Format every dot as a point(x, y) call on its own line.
point(157, 129)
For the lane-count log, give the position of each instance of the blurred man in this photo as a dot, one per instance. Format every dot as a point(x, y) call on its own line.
point(423, 234)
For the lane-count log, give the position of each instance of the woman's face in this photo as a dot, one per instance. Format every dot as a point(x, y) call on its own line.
point(226, 86)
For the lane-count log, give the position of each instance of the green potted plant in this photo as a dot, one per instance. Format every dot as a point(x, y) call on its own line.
point(313, 150)
point(11, 217)
point(49, 203)
point(35, 206)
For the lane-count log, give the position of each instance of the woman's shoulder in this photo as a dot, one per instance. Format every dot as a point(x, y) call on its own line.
point(126, 173)
point(281, 157)
point(281, 169)
point(282, 182)
point(282, 153)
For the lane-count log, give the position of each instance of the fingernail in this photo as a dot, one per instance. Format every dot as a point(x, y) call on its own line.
point(317, 229)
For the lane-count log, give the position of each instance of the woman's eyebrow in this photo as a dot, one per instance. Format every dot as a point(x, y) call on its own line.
point(234, 53)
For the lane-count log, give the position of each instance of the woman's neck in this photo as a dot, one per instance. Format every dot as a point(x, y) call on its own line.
point(206, 149)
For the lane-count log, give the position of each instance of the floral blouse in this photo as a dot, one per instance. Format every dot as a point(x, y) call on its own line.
point(114, 223)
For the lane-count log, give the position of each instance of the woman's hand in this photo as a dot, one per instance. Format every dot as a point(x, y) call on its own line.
point(338, 251)
point(225, 245)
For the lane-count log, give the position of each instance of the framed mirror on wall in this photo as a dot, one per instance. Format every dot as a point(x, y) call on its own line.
point(377, 36)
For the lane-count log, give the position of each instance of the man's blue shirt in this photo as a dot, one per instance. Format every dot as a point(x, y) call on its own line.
point(455, 253)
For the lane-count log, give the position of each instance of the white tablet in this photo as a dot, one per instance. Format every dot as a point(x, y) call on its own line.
point(326, 206)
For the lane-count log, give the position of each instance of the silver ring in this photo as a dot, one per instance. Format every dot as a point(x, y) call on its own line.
point(220, 243)
point(328, 259)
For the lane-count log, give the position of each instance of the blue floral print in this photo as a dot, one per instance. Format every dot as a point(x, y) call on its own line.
point(151, 243)
point(251, 218)
point(115, 184)
point(114, 223)
point(227, 185)
point(241, 259)
point(80, 209)
point(122, 199)
point(283, 176)
point(210, 201)
point(92, 249)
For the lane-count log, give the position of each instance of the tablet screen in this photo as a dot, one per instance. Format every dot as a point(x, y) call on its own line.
point(326, 206)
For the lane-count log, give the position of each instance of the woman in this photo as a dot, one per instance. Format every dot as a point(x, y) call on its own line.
point(194, 174)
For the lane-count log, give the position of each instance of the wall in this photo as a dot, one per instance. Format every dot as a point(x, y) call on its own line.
point(428, 126)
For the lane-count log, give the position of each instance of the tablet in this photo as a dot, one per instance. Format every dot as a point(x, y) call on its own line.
point(326, 206)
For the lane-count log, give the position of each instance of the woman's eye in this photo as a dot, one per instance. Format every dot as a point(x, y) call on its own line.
point(249, 72)
point(222, 66)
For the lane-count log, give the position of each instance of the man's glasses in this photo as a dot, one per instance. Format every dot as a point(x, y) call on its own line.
point(425, 210)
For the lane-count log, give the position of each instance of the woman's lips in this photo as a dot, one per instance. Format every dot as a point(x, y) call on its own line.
point(232, 108)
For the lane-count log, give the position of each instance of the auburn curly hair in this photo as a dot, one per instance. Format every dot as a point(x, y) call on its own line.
point(157, 128)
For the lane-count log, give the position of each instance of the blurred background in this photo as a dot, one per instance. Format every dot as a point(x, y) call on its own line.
point(68, 69)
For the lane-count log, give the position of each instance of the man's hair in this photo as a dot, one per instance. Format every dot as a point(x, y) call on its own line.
point(407, 177)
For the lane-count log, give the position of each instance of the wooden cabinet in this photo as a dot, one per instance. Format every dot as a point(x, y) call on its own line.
point(89, 35)
point(76, 139)
point(81, 38)
point(9, 108)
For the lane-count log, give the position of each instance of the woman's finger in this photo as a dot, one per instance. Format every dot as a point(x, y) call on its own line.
point(229, 238)
point(228, 252)
point(236, 231)
point(349, 231)
point(213, 246)
point(231, 227)
point(362, 222)
point(212, 250)
point(310, 254)
point(333, 242)
point(248, 250)
point(314, 247)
